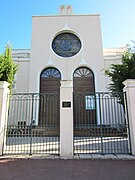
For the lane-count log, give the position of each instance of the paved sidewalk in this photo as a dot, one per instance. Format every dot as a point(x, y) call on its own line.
point(73, 169)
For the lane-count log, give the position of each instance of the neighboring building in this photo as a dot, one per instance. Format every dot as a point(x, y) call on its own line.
point(22, 58)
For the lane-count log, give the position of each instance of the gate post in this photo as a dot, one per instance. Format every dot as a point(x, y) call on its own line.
point(130, 92)
point(4, 91)
point(66, 118)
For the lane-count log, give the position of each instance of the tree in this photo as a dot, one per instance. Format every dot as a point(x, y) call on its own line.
point(120, 72)
point(8, 68)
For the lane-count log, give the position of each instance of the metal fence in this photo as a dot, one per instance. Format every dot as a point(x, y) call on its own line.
point(33, 124)
point(101, 123)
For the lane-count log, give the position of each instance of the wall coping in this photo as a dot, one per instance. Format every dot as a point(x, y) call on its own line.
point(4, 84)
point(129, 83)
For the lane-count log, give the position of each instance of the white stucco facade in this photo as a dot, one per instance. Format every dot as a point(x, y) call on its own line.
point(86, 27)
point(41, 55)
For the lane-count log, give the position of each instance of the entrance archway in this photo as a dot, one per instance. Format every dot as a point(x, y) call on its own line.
point(50, 98)
point(84, 99)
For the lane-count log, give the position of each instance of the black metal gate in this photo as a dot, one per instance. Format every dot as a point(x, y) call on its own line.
point(33, 124)
point(101, 123)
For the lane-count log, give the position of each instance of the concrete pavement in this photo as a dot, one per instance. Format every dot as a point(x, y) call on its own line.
point(80, 167)
point(73, 169)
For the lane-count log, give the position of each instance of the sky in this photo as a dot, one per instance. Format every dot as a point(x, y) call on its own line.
point(117, 19)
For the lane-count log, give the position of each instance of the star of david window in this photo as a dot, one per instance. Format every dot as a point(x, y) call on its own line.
point(66, 44)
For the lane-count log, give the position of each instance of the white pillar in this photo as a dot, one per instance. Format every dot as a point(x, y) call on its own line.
point(66, 118)
point(130, 92)
point(4, 91)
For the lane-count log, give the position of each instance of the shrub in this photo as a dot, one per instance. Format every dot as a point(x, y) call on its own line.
point(8, 68)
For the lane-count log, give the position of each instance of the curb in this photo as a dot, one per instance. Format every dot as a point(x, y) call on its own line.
point(76, 157)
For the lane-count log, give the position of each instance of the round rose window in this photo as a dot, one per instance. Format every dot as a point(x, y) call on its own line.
point(66, 44)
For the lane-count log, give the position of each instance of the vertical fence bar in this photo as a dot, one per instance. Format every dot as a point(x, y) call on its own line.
point(31, 133)
point(99, 95)
point(127, 116)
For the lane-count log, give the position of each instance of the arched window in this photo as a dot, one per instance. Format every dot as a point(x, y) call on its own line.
point(50, 80)
point(83, 72)
point(83, 80)
point(50, 73)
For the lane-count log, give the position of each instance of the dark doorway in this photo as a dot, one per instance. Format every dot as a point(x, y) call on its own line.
point(50, 98)
point(84, 98)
